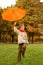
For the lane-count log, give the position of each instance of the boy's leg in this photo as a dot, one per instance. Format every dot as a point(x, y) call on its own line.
point(19, 52)
point(23, 49)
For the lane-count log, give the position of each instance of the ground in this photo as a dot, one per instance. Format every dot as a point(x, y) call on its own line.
point(33, 56)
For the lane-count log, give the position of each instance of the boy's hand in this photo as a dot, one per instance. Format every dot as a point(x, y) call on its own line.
point(15, 24)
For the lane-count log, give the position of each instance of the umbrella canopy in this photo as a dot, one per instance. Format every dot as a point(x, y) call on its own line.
point(12, 14)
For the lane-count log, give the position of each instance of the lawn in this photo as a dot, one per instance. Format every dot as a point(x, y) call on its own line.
point(33, 56)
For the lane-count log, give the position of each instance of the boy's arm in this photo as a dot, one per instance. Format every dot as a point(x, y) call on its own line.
point(15, 28)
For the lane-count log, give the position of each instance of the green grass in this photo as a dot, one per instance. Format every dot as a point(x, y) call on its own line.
point(33, 56)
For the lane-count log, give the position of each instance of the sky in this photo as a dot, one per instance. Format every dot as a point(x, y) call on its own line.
point(5, 3)
point(41, 0)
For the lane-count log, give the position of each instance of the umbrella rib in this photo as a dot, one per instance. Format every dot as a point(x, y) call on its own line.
point(15, 13)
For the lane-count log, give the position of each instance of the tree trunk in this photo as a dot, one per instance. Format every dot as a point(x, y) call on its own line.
point(29, 37)
point(32, 37)
point(12, 38)
point(0, 36)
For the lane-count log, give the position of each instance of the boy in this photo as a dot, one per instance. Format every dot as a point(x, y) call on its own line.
point(22, 39)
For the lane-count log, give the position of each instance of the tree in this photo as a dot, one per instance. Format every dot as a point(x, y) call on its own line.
point(33, 15)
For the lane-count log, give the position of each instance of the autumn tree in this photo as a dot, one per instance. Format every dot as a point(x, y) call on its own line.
point(34, 13)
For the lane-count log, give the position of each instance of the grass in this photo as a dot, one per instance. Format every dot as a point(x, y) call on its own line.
point(33, 56)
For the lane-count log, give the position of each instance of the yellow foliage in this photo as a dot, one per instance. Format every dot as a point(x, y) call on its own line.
point(35, 38)
point(30, 28)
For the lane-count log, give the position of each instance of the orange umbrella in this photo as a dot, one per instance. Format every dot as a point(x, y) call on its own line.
point(12, 14)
